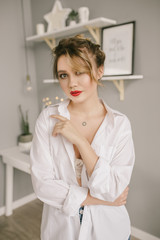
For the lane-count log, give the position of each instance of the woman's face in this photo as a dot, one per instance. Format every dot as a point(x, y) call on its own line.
point(77, 86)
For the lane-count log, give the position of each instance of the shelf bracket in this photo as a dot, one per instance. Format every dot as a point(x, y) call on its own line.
point(120, 86)
point(95, 32)
point(50, 42)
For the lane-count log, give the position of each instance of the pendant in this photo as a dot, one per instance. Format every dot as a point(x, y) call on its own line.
point(84, 124)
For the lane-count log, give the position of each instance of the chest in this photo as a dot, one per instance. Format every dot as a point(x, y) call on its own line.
point(87, 128)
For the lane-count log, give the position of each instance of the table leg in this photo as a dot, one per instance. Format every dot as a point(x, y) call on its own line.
point(9, 189)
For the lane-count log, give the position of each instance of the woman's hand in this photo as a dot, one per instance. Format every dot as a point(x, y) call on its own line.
point(66, 128)
point(122, 199)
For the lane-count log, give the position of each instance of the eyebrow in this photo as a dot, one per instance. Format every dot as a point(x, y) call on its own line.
point(61, 71)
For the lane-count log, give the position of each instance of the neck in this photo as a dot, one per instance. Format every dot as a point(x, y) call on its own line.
point(88, 107)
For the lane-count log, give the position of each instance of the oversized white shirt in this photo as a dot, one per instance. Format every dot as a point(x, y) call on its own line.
point(55, 184)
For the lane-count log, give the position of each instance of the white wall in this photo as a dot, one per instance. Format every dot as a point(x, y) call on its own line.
point(141, 96)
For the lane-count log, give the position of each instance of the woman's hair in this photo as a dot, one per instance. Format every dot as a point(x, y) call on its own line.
point(80, 51)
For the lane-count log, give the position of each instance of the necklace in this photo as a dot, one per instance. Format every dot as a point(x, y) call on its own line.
point(84, 123)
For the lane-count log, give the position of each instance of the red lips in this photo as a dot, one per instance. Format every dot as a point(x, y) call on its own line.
point(75, 93)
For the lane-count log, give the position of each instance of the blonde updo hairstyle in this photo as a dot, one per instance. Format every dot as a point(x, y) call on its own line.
point(80, 51)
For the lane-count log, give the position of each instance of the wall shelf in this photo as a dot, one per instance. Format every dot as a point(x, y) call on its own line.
point(125, 77)
point(50, 81)
point(93, 26)
point(117, 80)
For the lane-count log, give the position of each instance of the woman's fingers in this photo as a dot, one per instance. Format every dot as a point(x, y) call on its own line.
point(56, 131)
point(57, 128)
point(66, 129)
point(126, 189)
point(59, 117)
point(125, 195)
point(122, 199)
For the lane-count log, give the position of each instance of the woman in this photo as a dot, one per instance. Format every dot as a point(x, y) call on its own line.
point(82, 154)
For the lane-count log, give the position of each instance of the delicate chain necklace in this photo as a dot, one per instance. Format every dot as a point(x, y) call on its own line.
point(84, 124)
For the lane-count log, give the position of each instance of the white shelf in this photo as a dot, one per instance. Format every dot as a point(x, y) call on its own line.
point(50, 81)
point(73, 30)
point(129, 77)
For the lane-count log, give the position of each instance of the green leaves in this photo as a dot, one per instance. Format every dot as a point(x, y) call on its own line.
point(24, 122)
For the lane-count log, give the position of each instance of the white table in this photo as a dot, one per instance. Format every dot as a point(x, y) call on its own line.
point(13, 158)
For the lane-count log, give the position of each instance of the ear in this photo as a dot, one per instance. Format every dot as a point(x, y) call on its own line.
point(100, 71)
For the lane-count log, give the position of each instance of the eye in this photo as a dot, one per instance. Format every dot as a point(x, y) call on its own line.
point(78, 73)
point(62, 76)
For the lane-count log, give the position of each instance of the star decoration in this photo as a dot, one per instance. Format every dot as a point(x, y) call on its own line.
point(57, 17)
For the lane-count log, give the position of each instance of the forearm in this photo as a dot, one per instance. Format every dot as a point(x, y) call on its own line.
point(121, 200)
point(88, 155)
point(95, 201)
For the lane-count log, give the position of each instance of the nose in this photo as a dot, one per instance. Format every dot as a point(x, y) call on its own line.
point(72, 81)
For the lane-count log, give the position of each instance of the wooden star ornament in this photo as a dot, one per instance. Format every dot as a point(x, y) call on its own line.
point(57, 17)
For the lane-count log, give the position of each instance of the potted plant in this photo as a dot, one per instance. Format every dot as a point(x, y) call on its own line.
point(73, 18)
point(25, 138)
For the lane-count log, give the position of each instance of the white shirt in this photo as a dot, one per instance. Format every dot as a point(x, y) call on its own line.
point(55, 184)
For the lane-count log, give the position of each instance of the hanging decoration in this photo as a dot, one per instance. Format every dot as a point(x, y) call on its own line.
point(28, 83)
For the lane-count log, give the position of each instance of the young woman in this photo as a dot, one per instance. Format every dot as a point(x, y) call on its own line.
point(82, 154)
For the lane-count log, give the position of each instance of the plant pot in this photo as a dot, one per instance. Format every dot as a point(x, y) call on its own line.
point(25, 142)
point(25, 138)
point(72, 23)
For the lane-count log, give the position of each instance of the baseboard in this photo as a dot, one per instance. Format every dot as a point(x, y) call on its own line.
point(142, 235)
point(20, 202)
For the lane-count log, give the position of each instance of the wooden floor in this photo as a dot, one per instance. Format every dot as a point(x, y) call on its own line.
point(24, 223)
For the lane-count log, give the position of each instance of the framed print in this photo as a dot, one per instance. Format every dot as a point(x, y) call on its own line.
point(118, 45)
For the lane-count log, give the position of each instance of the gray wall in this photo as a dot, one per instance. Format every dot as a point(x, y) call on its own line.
point(12, 80)
point(141, 96)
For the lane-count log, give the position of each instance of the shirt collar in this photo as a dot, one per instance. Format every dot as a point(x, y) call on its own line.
point(63, 110)
point(110, 113)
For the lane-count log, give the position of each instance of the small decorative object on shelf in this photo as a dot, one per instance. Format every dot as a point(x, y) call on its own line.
point(72, 19)
point(25, 138)
point(57, 17)
point(83, 14)
point(40, 29)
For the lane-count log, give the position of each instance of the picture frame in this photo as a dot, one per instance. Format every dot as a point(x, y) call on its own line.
point(118, 45)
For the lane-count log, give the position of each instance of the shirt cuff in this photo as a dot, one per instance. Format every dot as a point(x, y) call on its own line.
point(98, 181)
point(75, 197)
